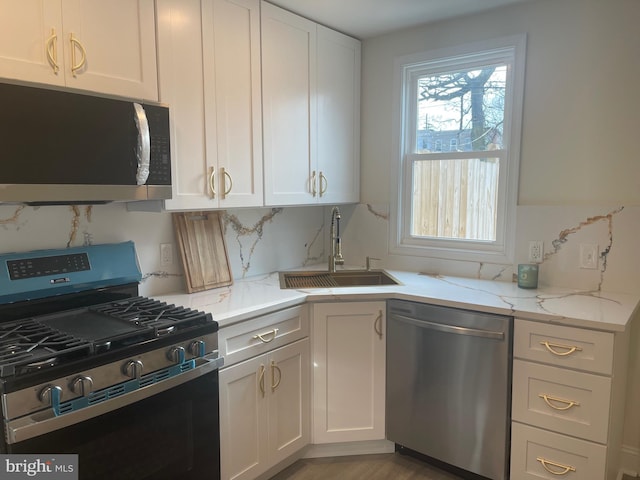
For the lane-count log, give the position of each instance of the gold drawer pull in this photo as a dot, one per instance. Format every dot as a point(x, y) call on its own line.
point(224, 175)
point(261, 380)
point(76, 45)
point(275, 368)
point(568, 403)
point(212, 183)
point(377, 325)
point(52, 51)
point(313, 184)
point(263, 336)
point(570, 348)
point(323, 180)
point(565, 468)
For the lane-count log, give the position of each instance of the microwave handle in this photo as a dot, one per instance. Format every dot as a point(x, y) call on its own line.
point(143, 150)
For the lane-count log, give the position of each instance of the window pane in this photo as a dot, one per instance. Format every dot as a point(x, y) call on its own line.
point(461, 111)
point(455, 199)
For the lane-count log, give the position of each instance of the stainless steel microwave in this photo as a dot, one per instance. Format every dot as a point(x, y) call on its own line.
point(58, 147)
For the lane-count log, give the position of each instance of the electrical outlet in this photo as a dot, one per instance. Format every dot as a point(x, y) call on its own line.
point(588, 255)
point(166, 254)
point(535, 251)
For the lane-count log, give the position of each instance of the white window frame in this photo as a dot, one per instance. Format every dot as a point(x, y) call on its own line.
point(509, 50)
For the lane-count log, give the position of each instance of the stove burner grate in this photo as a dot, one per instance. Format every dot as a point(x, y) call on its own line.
point(160, 316)
point(29, 345)
point(46, 340)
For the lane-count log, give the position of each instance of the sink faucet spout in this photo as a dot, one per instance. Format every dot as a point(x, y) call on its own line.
point(335, 258)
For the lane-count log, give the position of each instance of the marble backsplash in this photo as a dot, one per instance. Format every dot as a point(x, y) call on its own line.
point(264, 240)
point(615, 230)
point(258, 240)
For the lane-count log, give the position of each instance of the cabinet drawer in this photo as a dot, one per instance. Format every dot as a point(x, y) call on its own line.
point(588, 350)
point(536, 453)
point(259, 335)
point(562, 400)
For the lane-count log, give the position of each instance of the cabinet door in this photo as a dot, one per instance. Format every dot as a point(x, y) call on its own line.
point(30, 41)
point(349, 346)
point(338, 117)
point(181, 79)
point(289, 107)
point(289, 420)
point(233, 97)
point(243, 419)
point(110, 47)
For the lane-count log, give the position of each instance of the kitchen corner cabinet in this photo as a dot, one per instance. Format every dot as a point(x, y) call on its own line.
point(311, 108)
point(264, 400)
point(348, 355)
point(105, 47)
point(567, 402)
point(338, 93)
point(209, 73)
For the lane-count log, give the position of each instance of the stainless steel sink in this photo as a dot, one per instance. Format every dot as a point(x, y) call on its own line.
point(342, 278)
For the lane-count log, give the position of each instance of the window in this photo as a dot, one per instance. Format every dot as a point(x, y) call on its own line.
point(458, 144)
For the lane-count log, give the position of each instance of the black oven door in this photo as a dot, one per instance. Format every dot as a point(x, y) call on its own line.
point(169, 435)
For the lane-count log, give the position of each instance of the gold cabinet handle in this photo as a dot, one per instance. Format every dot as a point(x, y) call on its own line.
point(568, 403)
point(264, 336)
point(212, 183)
point(224, 175)
point(275, 368)
point(548, 463)
point(552, 348)
point(75, 43)
point(313, 183)
point(323, 180)
point(52, 51)
point(377, 325)
point(261, 380)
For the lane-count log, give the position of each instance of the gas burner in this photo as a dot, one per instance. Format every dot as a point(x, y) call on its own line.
point(163, 318)
point(29, 345)
point(50, 340)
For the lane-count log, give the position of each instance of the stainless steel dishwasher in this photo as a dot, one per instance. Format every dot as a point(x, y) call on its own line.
point(449, 385)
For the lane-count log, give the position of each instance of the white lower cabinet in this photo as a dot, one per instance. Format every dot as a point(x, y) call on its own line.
point(537, 454)
point(349, 347)
point(567, 402)
point(264, 401)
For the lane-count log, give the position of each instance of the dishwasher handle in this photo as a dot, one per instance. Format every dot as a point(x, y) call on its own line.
point(441, 327)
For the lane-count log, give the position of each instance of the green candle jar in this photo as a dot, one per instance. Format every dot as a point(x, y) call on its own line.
point(528, 275)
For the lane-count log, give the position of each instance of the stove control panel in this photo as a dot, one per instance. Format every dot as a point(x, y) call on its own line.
point(44, 266)
point(46, 273)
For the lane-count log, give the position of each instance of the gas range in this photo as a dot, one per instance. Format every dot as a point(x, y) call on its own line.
point(77, 341)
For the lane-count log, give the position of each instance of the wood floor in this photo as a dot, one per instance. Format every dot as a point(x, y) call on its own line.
point(390, 466)
point(363, 467)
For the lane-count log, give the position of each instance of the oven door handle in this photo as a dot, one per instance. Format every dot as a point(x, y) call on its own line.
point(44, 422)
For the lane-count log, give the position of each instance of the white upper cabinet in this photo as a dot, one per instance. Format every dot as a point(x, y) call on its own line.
point(105, 47)
point(288, 88)
point(30, 41)
point(338, 117)
point(311, 92)
point(209, 74)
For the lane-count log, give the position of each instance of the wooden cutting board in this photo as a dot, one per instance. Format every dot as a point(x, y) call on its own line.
point(202, 249)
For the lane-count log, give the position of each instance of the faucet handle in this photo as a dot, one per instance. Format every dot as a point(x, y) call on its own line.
point(369, 261)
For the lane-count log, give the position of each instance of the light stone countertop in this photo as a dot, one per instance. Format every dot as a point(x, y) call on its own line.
point(259, 295)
